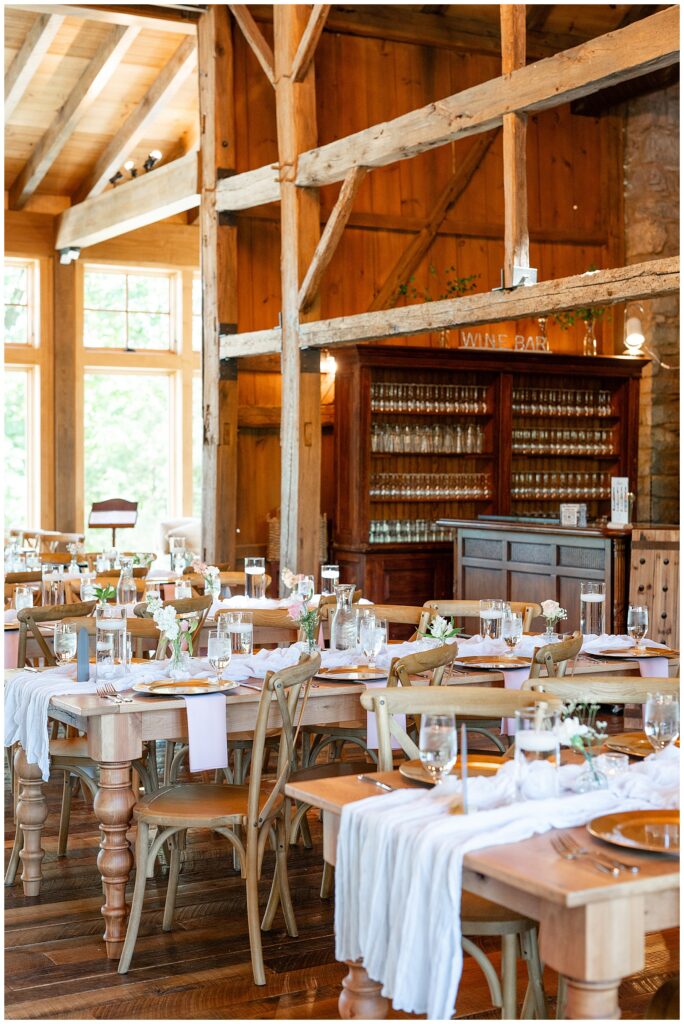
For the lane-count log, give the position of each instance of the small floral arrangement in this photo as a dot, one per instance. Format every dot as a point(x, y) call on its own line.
point(202, 569)
point(104, 594)
point(579, 729)
point(177, 631)
point(143, 558)
point(442, 629)
point(553, 613)
point(306, 618)
point(289, 578)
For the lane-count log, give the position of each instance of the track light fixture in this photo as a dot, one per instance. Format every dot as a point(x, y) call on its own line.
point(69, 255)
point(153, 157)
point(115, 177)
point(131, 168)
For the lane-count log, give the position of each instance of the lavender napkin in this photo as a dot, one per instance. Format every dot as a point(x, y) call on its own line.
point(207, 731)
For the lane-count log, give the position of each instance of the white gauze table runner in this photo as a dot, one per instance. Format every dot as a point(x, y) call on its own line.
point(404, 849)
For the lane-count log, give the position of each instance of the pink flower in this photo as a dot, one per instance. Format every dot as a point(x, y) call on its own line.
point(185, 625)
point(295, 609)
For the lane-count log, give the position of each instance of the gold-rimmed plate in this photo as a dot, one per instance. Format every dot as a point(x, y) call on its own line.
point(636, 744)
point(478, 764)
point(183, 687)
point(653, 831)
point(492, 661)
point(352, 674)
point(638, 652)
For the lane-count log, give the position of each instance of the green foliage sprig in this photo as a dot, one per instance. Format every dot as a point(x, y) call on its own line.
point(104, 593)
point(455, 286)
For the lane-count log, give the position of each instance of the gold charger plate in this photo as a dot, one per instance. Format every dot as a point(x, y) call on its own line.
point(183, 687)
point(480, 764)
point(654, 831)
point(352, 674)
point(497, 661)
point(639, 652)
point(636, 744)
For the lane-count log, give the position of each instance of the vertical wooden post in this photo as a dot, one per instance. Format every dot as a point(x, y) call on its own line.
point(300, 430)
point(68, 396)
point(516, 236)
point(219, 287)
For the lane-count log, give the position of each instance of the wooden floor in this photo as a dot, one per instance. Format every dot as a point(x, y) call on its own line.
point(55, 966)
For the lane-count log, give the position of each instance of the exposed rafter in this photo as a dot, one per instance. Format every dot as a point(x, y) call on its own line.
point(26, 62)
point(254, 36)
point(162, 90)
point(89, 86)
point(118, 14)
point(615, 57)
point(309, 41)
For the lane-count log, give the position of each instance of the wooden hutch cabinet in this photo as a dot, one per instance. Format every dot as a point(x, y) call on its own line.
point(426, 434)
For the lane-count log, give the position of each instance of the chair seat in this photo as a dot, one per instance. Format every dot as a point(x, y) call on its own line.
point(482, 917)
point(75, 747)
point(248, 736)
point(332, 770)
point(326, 729)
point(197, 805)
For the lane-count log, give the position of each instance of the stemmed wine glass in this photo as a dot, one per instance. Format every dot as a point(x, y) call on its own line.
point(65, 643)
point(511, 631)
point(219, 652)
point(637, 624)
point(661, 719)
point(438, 745)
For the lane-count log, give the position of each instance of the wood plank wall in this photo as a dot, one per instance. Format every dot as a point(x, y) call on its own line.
point(575, 216)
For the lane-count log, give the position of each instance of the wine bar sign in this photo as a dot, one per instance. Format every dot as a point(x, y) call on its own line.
point(516, 343)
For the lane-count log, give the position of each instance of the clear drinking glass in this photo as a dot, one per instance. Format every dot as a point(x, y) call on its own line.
point(305, 587)
point(661, 719)
point(372, 637)
point(87, 586)
point(512, 631)
point(438, 745)
point(52, 585)
point(219, 652)
point(592, 608)
point(491, 616)
point(183, 589)
point(23, 597)
point(637, 624)
point(255, 577)
point(242, 634)
point(111, 648)
point(65, 643)
point(152, 591)
point(537, 753)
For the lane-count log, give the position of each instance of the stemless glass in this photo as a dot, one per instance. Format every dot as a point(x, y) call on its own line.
point(491, 615)
point(438, 745)
point(305, 587)
point(183, 589)
point(255, 577)
point(592, 608)
point(23, 597)
point(511, 631)
point(242, 634)
point(637, 624)
point(65, 643)
point(330, 575)
point(219, 652)
point(661, 719)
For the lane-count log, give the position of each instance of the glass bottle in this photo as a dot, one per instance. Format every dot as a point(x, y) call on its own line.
point(125, 590)
point(343, 625)
point(589, 345)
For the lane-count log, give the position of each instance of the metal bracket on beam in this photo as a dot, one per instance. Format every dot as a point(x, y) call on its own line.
point(228, 369)
point(225, 329)
point(523, 277)
point(227, 219)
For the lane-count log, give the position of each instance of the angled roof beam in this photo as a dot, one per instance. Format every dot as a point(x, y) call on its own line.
point(165, 191)
point(309, 41)
point(162, 90)
point(616, 57)
point(87, 89)
point(257, 44)
point(117, 14)
point(26, 62)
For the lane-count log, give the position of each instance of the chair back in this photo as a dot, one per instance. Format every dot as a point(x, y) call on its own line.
point(601, 690)
point(271, 625)
point(31, 619)
point(55, 558)
point(474, 701)
point(402, 615)
point(434, 660)
point(183, 606)
point(555, 657)
point(280, 690)
point(17, 579)
point(471, 609)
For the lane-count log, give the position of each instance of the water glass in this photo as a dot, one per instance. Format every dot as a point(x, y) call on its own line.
point(87, 586)
point(592, 608)
point(661, 719)
point(330, 575)
point(512, 631)
point(537, 753)
point(65, 643)
point(101, 562)
point(183, 589)
point(111, 648)
point(612, 763)
point(152, 591)
point(23, 597)
point(304, 587)
point(52, 585)
point(637, 623)
point(438, 745)
point(491, 617)
point(255, 577)
point(372, 637)
point(242, 634)
point(219, 652)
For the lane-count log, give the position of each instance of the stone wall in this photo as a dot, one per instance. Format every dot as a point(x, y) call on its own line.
point(651, 232)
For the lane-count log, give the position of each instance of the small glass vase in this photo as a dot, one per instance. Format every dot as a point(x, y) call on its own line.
point(549, 636)
point(179, 667)
point(309, 644)
point(591, 778)
point(589, 343)
point(212, 587)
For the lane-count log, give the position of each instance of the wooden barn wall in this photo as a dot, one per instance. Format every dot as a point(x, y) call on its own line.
point(575, 216)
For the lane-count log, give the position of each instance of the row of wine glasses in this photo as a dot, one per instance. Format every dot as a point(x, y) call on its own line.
point(560, 485)
point(556, 402)
point(436, 439)
point(440, 486)
point(428, 398)
point(563, 442)
point(407, 531)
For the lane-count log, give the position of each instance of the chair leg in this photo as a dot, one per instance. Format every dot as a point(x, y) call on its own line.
point(168, 758)
point(561, 996)
point(253, 922)
point(11, 872)
point(141, 851)
point(65, 816)
point(535, 997)
point(283, 879)
point(172, 887)
point(327, 881)
point(509, 958)
point(306, 833)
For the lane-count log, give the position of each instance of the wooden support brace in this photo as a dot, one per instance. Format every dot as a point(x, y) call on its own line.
point(309, 41)
point(27, 60)
point(254, 36)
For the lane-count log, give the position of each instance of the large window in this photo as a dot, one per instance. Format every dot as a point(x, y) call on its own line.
point(196, 313)
point(17, 448)
point(20, 305)
point(130, 311)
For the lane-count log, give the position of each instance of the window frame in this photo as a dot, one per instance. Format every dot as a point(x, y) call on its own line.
point(176, 339)
point(32, 301)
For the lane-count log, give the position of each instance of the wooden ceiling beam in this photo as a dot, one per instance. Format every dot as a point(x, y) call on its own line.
point(601, 287)
point(309, 41)
point(603, 102)
point(165, 191)
point(613, 58)
point(162, 90)
point(87, 89)
point(28, 58)
point(117, 14)
point(254, 36)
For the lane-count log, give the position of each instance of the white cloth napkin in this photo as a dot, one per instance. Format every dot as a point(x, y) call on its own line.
point(11, 615)
point(207, 740)
point(406, 850)
point(648, 667)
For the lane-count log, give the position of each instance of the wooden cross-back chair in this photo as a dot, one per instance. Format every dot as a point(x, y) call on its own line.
point(479, 916)
point(17, 579)
point(471, 610)
point(599, 690)
point(555, 657)
point(256, 809)
point(55, 557)
point(50, 540)
point(72, 588)
point(31, 619)
point(183, 606)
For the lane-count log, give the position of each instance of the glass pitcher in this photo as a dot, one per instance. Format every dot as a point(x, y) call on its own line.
point(126, 592)
point(343, 625)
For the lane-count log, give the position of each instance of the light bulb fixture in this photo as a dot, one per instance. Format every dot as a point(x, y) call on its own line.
point(69, 255)
point(153, 157)
point(115, 177)
point(328, 362)
point(634, 332)
point(131, 168)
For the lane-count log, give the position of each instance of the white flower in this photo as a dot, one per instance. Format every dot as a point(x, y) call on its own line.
point(153, 603)
point(549, 608)
point(211, 570)
point(439, 626)
point(165, 619)
point(568, 729)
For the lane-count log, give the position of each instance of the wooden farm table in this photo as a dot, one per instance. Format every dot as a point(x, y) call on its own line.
point(591, 929)
point(116, 733)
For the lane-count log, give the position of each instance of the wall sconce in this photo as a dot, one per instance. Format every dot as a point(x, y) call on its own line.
point(634, 333)
point(328, 362)
point(153, 157)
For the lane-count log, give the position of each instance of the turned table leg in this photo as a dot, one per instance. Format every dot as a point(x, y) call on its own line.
point(360, 997)
point(113, 805)
point(31, 815)
point(592, 1000)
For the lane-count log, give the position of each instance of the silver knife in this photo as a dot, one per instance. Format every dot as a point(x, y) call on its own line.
point(376, 782)
point(464, 767)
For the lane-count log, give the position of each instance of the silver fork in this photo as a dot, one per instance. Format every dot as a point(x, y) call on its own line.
point(112, 692)
point(102, 692)
point(572, 844)
point(567, 854)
